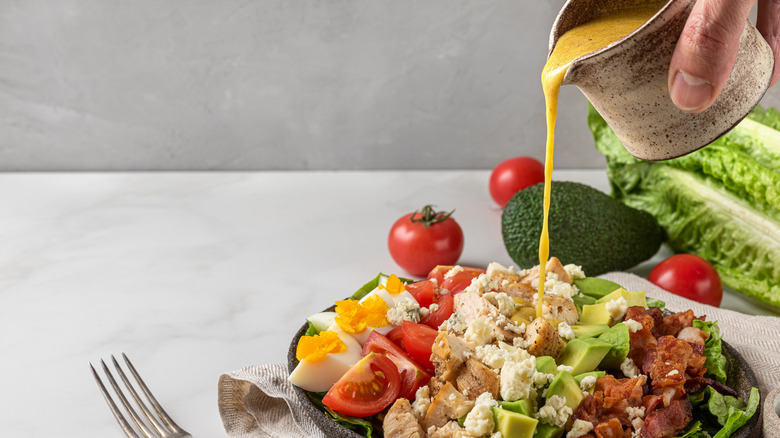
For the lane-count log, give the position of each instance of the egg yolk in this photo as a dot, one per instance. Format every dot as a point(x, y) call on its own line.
point(394, 285)
point(316, 348)
point(354, 316)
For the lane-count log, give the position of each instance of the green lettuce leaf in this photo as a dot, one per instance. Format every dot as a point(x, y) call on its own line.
point(721, 202)
point(719, 416)
point(716, 363)
point(363, 426)
point(652, 302)
point(694, 430)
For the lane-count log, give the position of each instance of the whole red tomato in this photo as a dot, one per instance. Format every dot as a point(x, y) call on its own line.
point(421, 240)
point(689, 276)
point(513, 175)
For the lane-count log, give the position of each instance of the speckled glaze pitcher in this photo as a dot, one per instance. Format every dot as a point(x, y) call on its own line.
point(626, 81)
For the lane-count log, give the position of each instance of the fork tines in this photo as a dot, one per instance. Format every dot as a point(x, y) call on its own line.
point(160, 425)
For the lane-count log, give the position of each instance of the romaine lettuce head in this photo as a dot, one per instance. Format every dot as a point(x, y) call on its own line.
point(721, 202)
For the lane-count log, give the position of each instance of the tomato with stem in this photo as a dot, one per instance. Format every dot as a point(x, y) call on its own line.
point(421, 240)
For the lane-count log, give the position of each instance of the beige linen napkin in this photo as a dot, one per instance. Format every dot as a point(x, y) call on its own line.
point(258, 401)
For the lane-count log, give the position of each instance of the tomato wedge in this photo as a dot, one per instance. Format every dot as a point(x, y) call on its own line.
point(457, 282)
point(444, 310)
point(366, 389)
point(423, 291)
point(412, 374)
point(396, 336)
point(418, 340)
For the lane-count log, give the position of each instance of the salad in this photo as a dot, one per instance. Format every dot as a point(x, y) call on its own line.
point(463, 354)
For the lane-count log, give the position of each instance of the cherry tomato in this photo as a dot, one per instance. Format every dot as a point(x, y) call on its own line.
point(689, 276)
point(424, 292)
point(365, 389)
point(418, 341)
point(443, 311)
point(412, 374)
point(421, 240)
point(513, 175)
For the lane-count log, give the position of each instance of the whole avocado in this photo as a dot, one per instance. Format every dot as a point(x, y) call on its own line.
point(586, 227)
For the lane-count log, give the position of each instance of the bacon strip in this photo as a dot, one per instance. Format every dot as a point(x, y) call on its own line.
point(667, 422)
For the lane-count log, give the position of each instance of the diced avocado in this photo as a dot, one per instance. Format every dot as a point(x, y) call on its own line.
point(597, 374)
point(618, 337)
point(546, 364)
point(581, 300)
point(589, 330)
point(584, 355)
point(632, 298)
point(564, 385)
point(595, 314)
point(513, 424)
point(524, 406)
point(544, 430)
point(595, 287)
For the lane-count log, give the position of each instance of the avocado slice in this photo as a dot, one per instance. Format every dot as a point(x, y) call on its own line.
point(595, 287)
point(547, 365)
point(544, 430)
point(589, 330)
point(564, 385)
point(595, 314)
point(632, 298)
point(618, 337)
point(524, 406)
point(513, 424)
point(584, 355)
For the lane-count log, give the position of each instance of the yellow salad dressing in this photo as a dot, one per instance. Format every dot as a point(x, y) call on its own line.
point(571, 45)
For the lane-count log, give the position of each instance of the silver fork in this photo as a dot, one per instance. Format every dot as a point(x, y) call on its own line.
point(163, 425)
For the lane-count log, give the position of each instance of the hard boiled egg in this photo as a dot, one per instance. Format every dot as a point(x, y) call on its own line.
point(320, 375)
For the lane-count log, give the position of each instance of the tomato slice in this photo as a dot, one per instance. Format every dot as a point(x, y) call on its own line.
point(366, 389)
point(418, 340)
point(423, 291)
point(396, 336)
point(445, 308)
point(412, 374)
point(457, 282)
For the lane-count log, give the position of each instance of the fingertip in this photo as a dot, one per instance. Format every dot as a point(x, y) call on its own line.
point(690, 93)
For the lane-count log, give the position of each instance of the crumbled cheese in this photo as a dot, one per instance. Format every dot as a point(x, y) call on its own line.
point(587, 383)
point(498, 268)
point(456, 323)
point(637, 423)
point(574, 271)
point(433, 307)
point(516, 379)
point(579, 428)
point(633, 325)
point(565, 331)
point(494, 356)
point(451, 273)
point(629, 368)
point(521, 343)
point(632, 412)
point(617, 308)
point(565, 368)
point(672, 373)
point(422, 399)
point(481, 284)
point(518, 329)
point(637, 432)
point(553, 286)
point(479, 333)
point(505, 303)
point(554, 412)
point(541, 379)
point(497, 435)
point(479, 421)
point(406, 310)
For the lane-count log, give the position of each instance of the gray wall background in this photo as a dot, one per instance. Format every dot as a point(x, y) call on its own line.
point(279, 84)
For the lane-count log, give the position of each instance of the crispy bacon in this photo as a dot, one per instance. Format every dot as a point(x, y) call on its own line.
point(643, 339)
point(650, 402)
point(609, 429)
point(698, 383)
point(667, 422)
point(615, 391)
point(673, 324)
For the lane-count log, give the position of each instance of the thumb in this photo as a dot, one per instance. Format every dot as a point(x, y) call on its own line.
point(706, 51)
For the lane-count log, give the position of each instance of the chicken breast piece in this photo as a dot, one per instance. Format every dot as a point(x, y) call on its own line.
point(559, 308)
point(451, 430)
point(448, 404)
point(473, 306)
point(400, 421)
point(476, 378)
point(448, 355)
point(543, 339)
point(553, 265)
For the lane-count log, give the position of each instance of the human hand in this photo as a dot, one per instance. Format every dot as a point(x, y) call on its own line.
point(707, 48)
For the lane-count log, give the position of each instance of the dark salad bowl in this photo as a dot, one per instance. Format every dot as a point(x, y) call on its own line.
point(740, 378)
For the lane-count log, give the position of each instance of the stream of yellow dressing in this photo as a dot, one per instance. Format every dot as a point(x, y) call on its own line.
point(573, 44)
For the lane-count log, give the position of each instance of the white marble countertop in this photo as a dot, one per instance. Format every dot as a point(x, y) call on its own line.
point(195, 274)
